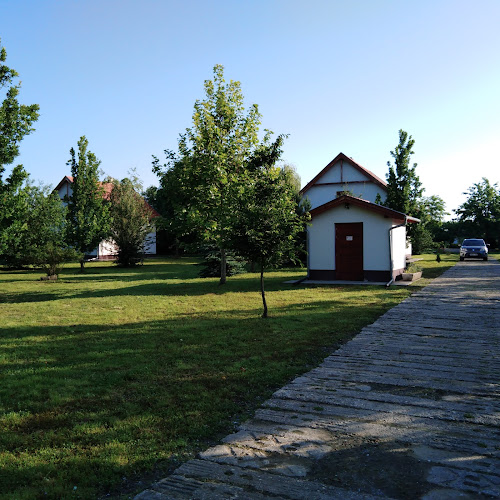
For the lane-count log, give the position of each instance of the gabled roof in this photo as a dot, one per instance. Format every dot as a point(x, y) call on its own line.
point(66, 178)
point(343, 157)
point(368, 205)
point(107, 188)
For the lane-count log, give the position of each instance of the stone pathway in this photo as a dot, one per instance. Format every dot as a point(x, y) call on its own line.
point(410, 408)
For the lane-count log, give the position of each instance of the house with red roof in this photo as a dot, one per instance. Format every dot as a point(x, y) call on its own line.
point(107, 249)
point(351, 237)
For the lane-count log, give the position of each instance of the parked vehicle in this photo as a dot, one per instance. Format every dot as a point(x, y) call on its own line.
point(474, 248)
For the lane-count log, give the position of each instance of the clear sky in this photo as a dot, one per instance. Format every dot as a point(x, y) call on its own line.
point(337, 76)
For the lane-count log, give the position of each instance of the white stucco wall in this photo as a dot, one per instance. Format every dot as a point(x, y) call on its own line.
point(332, 175)
point(399, 247)
point(150, 246)
point(109, 247)
point(319, 195)
point(321, 239)
point(65, 190)
point(106, 248)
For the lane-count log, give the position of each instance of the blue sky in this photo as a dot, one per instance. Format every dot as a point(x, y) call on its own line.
point(336, 76)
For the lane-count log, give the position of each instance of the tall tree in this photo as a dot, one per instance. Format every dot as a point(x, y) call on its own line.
point(432, 212)
point(88, 210)
point(481, 211)
point(130, 221)
point(16, 121)
point(404, 189)
point(210, 165)
point(268, 222)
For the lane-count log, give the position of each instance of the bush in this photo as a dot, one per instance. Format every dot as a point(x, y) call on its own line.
point(211, 263)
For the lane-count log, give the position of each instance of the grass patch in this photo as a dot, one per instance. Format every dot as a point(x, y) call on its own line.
point(495, 254)
point(118, 375)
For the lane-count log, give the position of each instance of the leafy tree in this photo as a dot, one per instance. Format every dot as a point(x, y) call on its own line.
point(268, 221)
point(16, 121)
point(209, 169)
point(173, 202)
point(404, 189)
point(88, 210)
point(41, 241)
point(421, 239)
point(431, 213)
point(45, 240)
point(302, 207)
point(130, 221)
point(480, 213)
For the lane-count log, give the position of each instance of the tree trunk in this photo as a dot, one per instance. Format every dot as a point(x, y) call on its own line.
point(222, 267)
point(176, 248)
point(82, 265)
point(263, 293)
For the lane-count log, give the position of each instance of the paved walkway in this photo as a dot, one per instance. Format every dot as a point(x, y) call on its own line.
point(410, 408)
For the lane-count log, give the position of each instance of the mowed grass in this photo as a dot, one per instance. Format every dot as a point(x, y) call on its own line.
point(110, 379)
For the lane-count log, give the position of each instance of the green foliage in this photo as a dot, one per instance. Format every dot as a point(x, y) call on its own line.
point(209, 169)
point(88, 211)
point(268, 221)
point(302, 207)
point(421, 239)
point(480, 213)
point(16, 121)
point(211, 264)
point(173, 202)
point(405, 194)
point(403, 185)
point(41, 240)
point(431, 213)
point(130, 222)
point(413, 268)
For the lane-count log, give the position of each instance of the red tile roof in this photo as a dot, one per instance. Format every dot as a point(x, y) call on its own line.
point(107, 188)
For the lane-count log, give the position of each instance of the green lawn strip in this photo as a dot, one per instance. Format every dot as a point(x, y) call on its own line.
point(117, 374)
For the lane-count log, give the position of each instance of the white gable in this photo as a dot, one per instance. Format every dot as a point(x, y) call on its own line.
point(343, 174)
point(64, 190)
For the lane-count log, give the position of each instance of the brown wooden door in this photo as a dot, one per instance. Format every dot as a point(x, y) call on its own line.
point(349, 251)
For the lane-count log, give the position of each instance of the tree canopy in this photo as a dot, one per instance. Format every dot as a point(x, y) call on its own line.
point(210, 166)
point(130, 221)
point(480, 213)
point(88, 210)
point(268, 223)
point(404, 189)
point(16, 121)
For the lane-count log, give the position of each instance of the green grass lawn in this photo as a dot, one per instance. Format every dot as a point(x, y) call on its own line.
point(118, 375)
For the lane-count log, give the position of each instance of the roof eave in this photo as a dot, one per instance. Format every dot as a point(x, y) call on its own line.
point(342, 156)
point(368, 205)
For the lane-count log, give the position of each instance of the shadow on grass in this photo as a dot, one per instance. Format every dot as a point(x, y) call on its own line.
point(89, 405)
point(64, 288)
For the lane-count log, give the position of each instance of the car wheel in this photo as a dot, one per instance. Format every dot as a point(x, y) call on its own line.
point(485, 258)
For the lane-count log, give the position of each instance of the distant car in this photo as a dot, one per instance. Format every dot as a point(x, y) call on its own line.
point(474, 248)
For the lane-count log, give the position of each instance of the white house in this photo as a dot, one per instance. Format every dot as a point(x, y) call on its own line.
point(351, 237)
point(107, 249)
